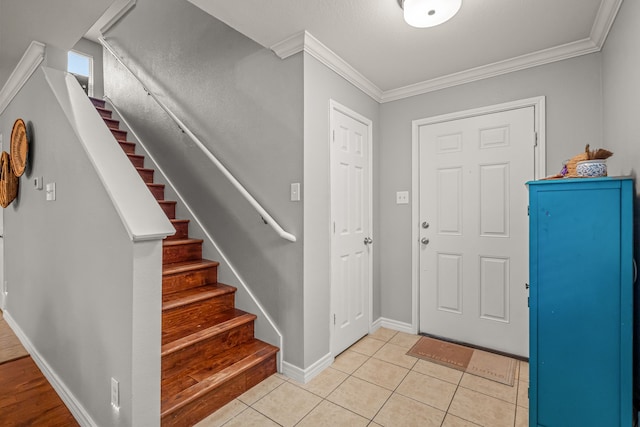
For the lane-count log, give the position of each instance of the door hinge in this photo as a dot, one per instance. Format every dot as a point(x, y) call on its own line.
point(333, 137)
point(334, 319)
point(528, 302)
point(535, 139)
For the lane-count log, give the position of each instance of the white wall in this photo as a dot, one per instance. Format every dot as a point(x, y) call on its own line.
point(320, 85)
point(574, 110)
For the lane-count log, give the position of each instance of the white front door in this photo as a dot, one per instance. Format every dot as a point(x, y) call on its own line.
point(474, 228)
point(351, 240)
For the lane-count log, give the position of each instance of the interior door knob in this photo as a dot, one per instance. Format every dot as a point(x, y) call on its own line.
point(424, 241)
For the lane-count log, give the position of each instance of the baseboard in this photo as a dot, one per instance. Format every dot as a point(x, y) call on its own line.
point(305, 375)
point(75, 407)
point(395, 325)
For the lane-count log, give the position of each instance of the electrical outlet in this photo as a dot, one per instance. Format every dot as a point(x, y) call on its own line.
point(115, 393)
point(402, 198)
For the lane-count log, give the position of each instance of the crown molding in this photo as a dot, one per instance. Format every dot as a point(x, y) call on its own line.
point(289, 46)
point(604, 20)
point(304, 41)
point(31, 59)
point(109, 18)
point(546, 56)
point(119, 11)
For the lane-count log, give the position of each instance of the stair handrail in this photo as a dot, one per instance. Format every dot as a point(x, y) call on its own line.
point(268, 219)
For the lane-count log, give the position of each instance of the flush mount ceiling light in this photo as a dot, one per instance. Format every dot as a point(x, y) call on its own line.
point(429, 13)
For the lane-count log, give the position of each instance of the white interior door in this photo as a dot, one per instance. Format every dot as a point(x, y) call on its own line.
point(474, 228)
point(351, 242)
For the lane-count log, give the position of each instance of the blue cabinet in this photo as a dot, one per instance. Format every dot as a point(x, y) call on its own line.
point(581, 302)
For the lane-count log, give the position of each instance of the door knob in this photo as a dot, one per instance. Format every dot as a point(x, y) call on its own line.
point(425, 224)
point(368, 240)
point(424, 241)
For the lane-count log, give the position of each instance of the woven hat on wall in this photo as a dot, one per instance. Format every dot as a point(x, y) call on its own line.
point(8, 181)
point(19, 147)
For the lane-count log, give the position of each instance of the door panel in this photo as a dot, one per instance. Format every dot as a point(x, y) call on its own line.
point(473, 267)
point(351, 213)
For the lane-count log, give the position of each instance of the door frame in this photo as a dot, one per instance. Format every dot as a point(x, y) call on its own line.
point(334, 107)
point(539, 158)
point(90, 77)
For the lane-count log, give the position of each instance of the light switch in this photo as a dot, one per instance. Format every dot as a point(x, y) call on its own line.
point(295, 192)
point(51, 191)
point(37, 183)
point(402, 198)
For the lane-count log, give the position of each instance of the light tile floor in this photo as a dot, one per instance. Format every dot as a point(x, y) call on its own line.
point(374, 383)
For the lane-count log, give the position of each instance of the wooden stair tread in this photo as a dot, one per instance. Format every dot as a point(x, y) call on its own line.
point(149, 184)
point(178, 242)
point(178, 400)
point(189, 296)
point(178, 221)
point(167, 202)
point(209, 365)
point(112, 123)
point(181, 267)
point(97, 102)
point(145, 169)
point(175, 339)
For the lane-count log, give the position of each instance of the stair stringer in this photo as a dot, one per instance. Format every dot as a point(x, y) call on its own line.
point(265, 328)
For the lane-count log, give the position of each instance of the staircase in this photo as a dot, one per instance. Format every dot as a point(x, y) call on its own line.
point(209, 353)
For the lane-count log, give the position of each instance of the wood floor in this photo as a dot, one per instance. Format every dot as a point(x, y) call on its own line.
point(27, 398)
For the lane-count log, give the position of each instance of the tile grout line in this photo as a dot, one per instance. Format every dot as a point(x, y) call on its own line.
point(390, 396)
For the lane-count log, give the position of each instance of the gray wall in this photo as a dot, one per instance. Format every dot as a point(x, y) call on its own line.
point(321, 85)
point(68, 263)
point(94, 50)
point(574, 110)
point(621, 87)
point(245, 104)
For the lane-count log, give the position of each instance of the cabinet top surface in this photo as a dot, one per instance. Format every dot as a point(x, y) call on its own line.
point(610, 179)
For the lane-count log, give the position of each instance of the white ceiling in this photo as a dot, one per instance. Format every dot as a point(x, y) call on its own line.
point(366, 41)
point(372, 37)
